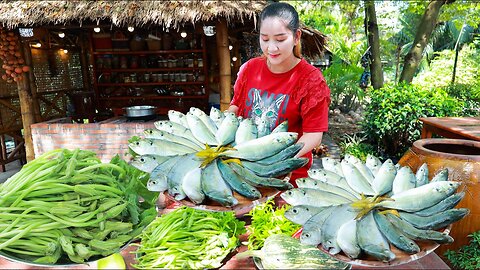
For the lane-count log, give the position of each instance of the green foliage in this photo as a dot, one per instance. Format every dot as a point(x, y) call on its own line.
point(343, 80)
point(357, 146)
point(468, 256)
point(392, 115)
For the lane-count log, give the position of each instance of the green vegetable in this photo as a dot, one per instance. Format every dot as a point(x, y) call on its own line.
point(281, 251)
point(268, 220)
point(188, 238)
point(68, 206)
point(468, 256)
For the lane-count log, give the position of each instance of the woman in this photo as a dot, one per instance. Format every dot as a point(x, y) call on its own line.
point(280, 85)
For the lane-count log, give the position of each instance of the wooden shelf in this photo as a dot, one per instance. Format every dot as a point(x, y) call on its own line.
point(119, 70)
point(148, 52)
point(150, 83)
point(153, 97)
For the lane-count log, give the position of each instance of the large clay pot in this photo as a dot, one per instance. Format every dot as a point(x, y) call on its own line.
point(462, 159)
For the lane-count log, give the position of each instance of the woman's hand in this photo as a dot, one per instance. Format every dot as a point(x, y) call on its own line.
point(311, 140)
point(233, 109)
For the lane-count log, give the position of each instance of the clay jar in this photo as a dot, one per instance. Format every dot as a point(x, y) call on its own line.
point(462, 159)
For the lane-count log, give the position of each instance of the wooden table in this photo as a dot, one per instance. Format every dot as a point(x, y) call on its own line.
point(451, 127)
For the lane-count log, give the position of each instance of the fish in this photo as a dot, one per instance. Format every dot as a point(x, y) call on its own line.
point(445, 204)
point(147, 163)
point(246, 131)
point(383, 181)
point(373, 163)
point(206, 120)
point(355, 179)
point(200, 131)
point(417, 234)
point(176, 129)
point(237, 182)
point(258, 181)
point(441, 175)
point(331, 178)
point(282, 127)
point(176, 174)
point(422, 175)
point(361, 167)
point(215, 187)
point(279, 168)
point(422, 197)
point(262, 147)
point(394, 235)
point(341, 215)
point(332, 165)
point(371, 240)
point(312, 197)
point(177, 117)
point(312, 229)
point(216, 115)
point(404, 180)
point(151, 133)
point(347, 239)
point(300, 214)
point(192, 185)
point(263, 127)
point(286, 153)
point(226, 132)
point(158, 177)
point(159, 147)
point(435, 221)
point(308, 182)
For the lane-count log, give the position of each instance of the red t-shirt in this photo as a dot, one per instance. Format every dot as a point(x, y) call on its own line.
point(300, 95)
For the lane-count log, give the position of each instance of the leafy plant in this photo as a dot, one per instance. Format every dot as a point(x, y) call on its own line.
point(357, 146)
point(392, 116)
point(468, 256)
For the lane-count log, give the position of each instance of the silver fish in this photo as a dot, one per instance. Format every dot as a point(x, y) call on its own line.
point(192, 185)
point(207, 121)
point(422, 175)
point(342, 214)
point(263, 127)
point(347, 239)
point(332, 165)
point(176, 175)
point(417, 234)
point(435, 221)
point(215, 187)
point(312, 229)
point(226, 131)
point(151, 133)
point(441, 175)
point(216, 115)
point(286, 153)
point(419, 198)
point(312, 197)
point(177, 117)
point(445, 204)
point(200, 131)
point(308, 182)
point(371, 240)
point(331, 178)
point(147, 163)
point(158, 177)
point(176, 129)
point(355, 179)
point(282, 127)
point(373, 163)
point(277, 169)
point(383, 181)
point(300, 214)
point(361, 167)
point(404, 180)
point(159, 147)
point(246, 131)
point(262, 147)
point(394, 235)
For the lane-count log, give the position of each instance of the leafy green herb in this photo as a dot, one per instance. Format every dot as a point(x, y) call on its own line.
point(268, 220)
point(468, 256)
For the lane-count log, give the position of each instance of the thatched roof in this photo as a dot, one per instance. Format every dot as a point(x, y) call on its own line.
point(122, 13)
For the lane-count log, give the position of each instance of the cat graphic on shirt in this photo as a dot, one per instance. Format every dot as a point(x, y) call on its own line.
point(265, 108)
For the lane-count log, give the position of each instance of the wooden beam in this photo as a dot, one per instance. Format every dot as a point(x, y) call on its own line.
point(225, 73)
point(27, 54)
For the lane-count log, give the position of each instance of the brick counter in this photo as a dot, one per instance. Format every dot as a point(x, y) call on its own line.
point(106, 138)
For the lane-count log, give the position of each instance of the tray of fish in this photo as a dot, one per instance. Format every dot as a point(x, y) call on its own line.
point(217, 161)
point(374, 213)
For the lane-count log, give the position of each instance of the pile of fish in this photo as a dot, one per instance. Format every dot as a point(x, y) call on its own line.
point(200, 156)
point(361, 208)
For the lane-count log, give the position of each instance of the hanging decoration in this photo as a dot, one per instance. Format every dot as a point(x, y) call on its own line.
point(11, 56)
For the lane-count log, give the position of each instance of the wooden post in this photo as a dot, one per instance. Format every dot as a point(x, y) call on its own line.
point(84, 61)
point(225, 73)
point(27, 56)
point(26, 105)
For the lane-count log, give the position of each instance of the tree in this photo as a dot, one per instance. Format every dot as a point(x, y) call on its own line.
point(424, 31)
point(374, 41)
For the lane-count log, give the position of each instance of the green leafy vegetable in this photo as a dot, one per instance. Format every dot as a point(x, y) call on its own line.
point(268, 220)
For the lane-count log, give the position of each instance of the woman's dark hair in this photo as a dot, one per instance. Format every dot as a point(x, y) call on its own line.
point(288, 14)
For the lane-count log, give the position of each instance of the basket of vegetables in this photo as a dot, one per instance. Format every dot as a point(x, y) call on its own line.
point(67, 207)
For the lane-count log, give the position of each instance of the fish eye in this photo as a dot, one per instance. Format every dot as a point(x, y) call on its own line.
point(137, 143)
point(142, 160)
point(294, 211)
point(289, 192)
point(307, 235)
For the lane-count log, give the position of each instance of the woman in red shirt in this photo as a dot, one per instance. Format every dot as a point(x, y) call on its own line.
point(281, 85)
